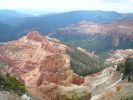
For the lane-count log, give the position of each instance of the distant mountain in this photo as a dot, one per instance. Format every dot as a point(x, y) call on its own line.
point(9, 21)
point(12, 14)
point(6, 32)
point(12, 18)
point(48, 23)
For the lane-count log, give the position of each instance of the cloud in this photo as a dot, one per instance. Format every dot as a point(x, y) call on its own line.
point(67, 5)
point(113, 0)
point(117, 1)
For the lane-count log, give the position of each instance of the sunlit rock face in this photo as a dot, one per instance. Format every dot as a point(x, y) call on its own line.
point(36, 36)
point(41, 64)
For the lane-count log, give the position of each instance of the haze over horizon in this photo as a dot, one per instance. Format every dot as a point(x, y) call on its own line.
point(54, 6)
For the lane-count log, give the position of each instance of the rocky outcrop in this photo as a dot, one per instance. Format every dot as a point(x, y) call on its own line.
point(119, 56)
point(36, 36)
point(56, 69)
point(43, 65)
point(73, 93)
point(77, 79)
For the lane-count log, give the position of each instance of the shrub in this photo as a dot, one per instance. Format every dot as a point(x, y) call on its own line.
point(126, 69)
point(127, 98)
point(9, 83)
point(75, 97)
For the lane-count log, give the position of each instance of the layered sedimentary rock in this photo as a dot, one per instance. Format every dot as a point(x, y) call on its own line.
point(42, 65)
point(119, 31)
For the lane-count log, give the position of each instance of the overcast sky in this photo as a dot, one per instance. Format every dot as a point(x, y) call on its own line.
point(68, 5)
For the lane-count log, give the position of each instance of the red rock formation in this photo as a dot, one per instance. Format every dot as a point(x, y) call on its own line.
point(77, 80)
point(41, 64)
point(34, 36)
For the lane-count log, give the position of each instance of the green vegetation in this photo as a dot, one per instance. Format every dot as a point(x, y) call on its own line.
point(83, 65)
point(99, 45)
point(127, 69)
point(120, 67)
point(127, 98)
point(9, 83)
point(75, 97)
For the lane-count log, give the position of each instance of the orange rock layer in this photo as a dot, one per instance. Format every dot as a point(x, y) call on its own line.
point(41, 64)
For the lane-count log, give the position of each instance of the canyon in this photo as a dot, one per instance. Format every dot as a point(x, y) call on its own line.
point(43, 65)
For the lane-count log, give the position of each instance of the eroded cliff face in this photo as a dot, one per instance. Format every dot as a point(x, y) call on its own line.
point(41, 64)
point(120, 31)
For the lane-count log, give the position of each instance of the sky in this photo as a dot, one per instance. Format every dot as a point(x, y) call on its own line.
point(124, 6)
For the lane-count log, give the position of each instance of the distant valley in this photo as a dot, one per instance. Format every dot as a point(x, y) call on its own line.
point(17, 22)
point(74, 28)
